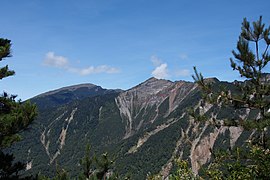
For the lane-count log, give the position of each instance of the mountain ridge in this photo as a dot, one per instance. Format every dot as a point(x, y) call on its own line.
point(145, 128)
point(69, 88)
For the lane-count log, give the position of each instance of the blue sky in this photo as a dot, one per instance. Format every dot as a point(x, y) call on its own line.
point(120, 43)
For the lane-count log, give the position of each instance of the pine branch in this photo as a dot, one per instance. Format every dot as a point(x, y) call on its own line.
point(5, 72)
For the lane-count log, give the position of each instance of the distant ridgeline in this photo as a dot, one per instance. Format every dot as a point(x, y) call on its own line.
point(144, 128)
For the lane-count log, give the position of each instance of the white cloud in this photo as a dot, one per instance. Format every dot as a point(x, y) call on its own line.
point(55, 61)
point(161, 69)
point(62, 62)
point(94, 70)
point(161, 72)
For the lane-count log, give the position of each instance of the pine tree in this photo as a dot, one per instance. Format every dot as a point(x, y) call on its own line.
point(103, 167)
point(252, 94)
point(14, 117)
point(5, 45)
point(86, 163)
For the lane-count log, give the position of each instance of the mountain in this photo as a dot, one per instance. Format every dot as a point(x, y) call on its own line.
point(67, 94)
point(144, 128)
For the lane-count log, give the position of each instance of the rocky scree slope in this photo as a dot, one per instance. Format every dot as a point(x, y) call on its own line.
point(144, 128)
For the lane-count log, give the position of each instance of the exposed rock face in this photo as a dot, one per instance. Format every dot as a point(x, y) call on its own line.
point(146, 126)
point(153, 93)
point(136, 100)
point(150, 94)
point(61, 139)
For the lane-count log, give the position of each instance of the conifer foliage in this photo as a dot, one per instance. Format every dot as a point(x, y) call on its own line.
point(254, 92)
point(5, 45)
point(14, 117)
point(253, 95)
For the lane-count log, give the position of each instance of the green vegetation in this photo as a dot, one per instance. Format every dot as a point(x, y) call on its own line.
point(97, 119)
point(92, 168)
point(183, 172)
point(14, 117)
point(253, 160)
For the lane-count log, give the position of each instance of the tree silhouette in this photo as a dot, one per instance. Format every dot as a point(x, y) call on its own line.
point(254, 95)
point(14, 117)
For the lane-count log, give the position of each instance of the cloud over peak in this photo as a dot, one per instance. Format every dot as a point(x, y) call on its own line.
point(162, 71)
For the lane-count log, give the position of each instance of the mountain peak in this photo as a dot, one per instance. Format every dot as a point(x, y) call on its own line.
point(68, 94)
point(152, 86)
point(155, 80)
point(69, 88)
point(152, 79)
point(211, 80)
